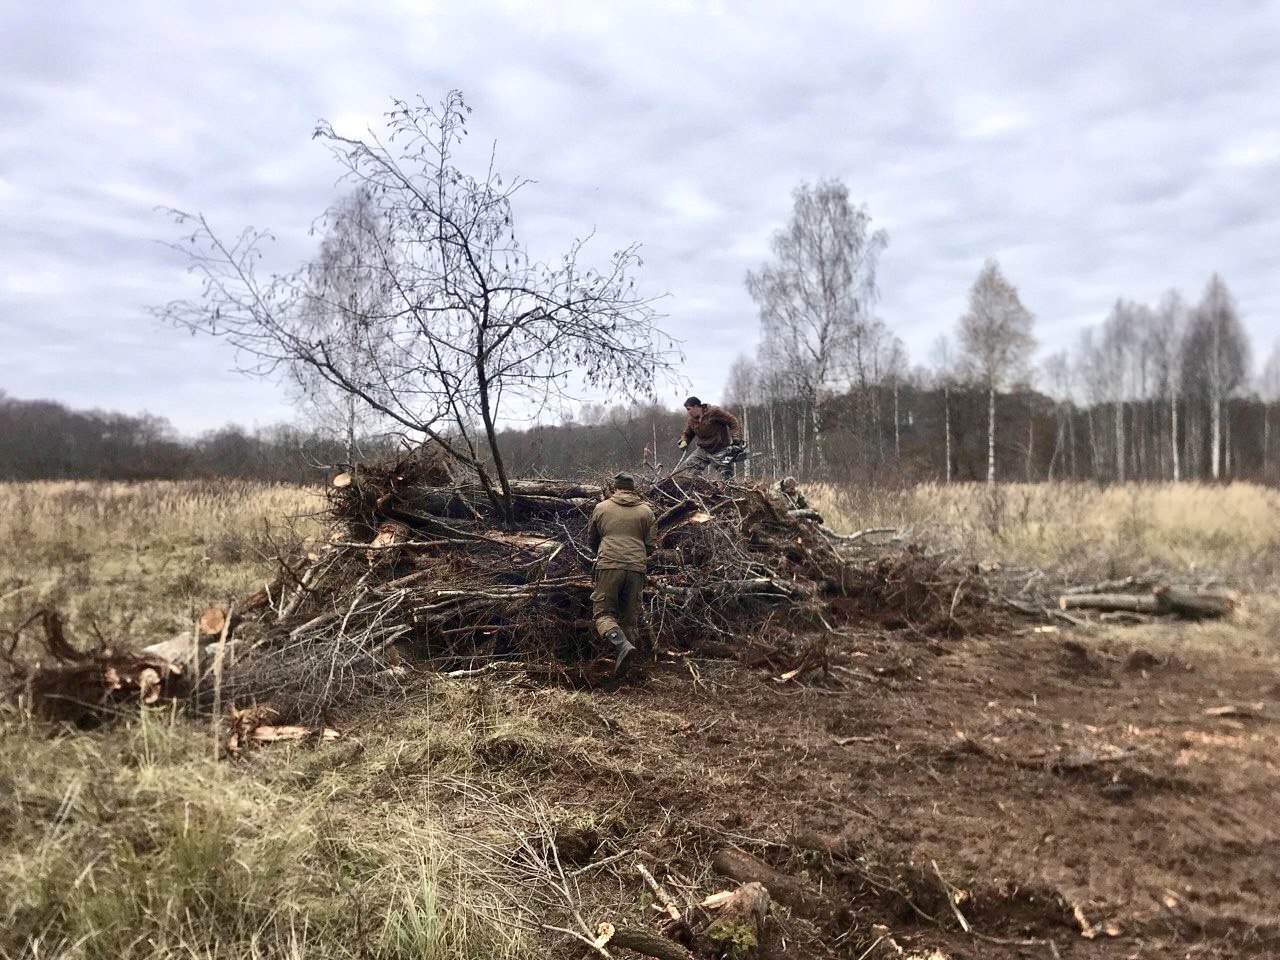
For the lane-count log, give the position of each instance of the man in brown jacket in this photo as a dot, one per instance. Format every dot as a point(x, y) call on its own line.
point(713, 431)
point(621, 537)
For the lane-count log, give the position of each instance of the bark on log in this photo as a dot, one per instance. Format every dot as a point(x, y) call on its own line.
point(1192, 604)
point(835, 846)
point(648, 944)
point(1177, 601)
point(1109, 602)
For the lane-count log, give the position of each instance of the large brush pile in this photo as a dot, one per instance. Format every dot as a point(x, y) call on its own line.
point(419, 571)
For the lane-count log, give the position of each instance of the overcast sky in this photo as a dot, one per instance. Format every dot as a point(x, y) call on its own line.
point(1097, 149)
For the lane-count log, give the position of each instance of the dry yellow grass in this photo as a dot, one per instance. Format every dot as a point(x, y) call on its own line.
point(1232, 532)
point(141, 558)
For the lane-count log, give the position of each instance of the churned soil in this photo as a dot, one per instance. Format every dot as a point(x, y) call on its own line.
point(1058, 796)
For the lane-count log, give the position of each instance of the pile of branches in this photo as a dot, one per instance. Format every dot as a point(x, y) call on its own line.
point(420, 571)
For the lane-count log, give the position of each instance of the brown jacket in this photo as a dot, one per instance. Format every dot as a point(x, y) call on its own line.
point(714, 429)
point(621, 532)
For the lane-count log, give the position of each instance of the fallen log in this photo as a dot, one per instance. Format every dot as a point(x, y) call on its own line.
point(1109, 602)
point(1125, 585)
point(791, 892)
point(1194, 604)
point(648, 944)
point(86, 689)
point(1162, 601)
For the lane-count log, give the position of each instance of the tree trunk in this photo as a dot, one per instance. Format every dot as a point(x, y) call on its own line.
point(1094, 460)
point(803, 899)
point(1215, 435)
point(897, 440)
point(946, 394)
point(1266, 442)
point(1031, 438)
point(1119, 412)
point(1058, 436)
point(491, 434)
point(1071, 440)
point(991, 435)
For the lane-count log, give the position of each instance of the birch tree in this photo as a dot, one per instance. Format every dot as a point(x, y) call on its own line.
point(1216, 360)
point(944, 365)
point(1113, 355)
point(1057, 375)
point(343, 285)
point(740, 392)
point(995, 337)
point(815, 295)
point(1168, 332)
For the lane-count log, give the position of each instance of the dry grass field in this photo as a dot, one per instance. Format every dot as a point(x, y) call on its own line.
point(1230, 531)
point(424, 832)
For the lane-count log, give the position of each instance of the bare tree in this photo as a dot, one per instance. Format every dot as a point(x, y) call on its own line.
point(740, 392)
point(944, 365)
point(1058, 377)
point(1168, 332)
point(895, 368)
point(1215, 359)
point(473, 327)
point(1114, 354)
point(995, 335)
point(815, 296)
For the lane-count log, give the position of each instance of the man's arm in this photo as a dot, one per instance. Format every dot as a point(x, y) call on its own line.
point(649, 543)
point(593, 531)
point(687, 436)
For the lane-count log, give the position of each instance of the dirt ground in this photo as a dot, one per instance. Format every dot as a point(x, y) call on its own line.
point(1077, 798)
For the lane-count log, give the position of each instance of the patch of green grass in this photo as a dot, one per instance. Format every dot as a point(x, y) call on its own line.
point(131, 841)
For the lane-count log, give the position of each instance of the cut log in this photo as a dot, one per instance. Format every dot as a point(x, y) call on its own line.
point(835, 846)
point(87, 689)
point(738, 927)
point(1162, 601)
point(389, 537)
point(1127, 585)
point(1129, 603)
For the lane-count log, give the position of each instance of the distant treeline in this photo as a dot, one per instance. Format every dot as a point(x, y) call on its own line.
point(43, 440)
point(887, 435)
point(899, 435)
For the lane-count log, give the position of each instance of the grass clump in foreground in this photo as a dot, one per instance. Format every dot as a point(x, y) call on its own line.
point(131, 841)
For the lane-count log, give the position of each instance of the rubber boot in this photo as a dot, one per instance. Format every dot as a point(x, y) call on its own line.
point(622, 647)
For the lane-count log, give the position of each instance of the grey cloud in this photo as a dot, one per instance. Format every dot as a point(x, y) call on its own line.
point(1098, 150)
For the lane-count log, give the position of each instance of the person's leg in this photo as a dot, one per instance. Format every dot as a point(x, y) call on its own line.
point(606, 607)
point(630, 605)
point(604, 599)
point(697, 461)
